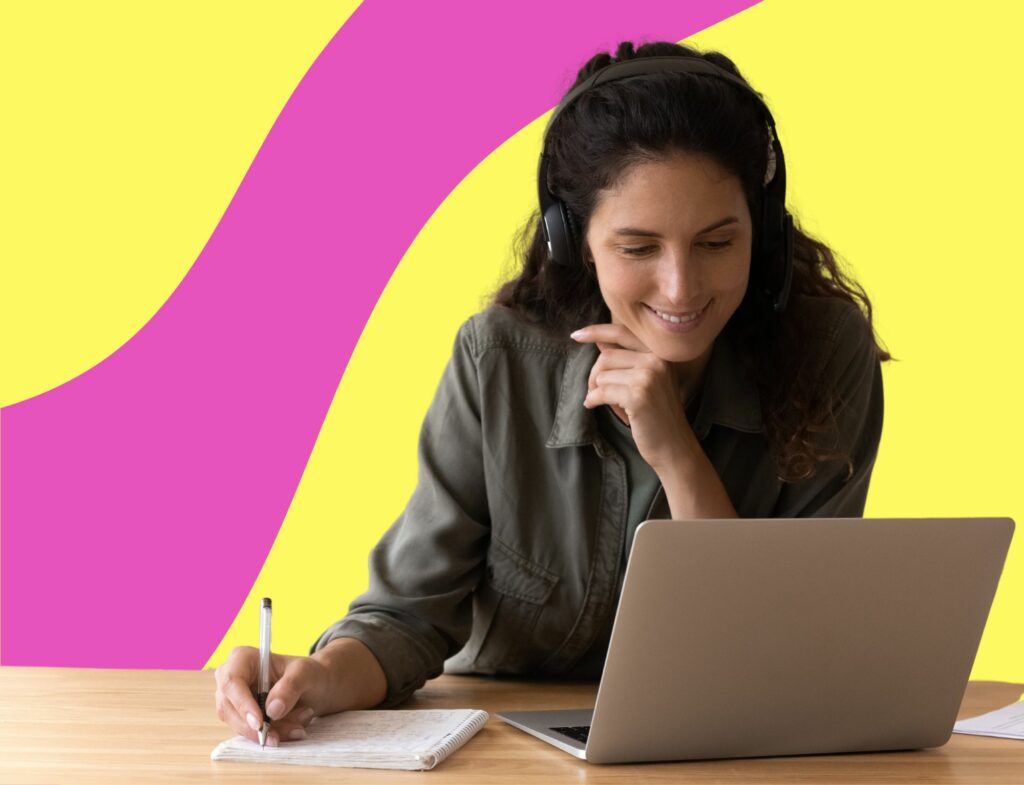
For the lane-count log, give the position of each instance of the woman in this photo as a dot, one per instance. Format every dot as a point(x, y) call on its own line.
point(672, 348)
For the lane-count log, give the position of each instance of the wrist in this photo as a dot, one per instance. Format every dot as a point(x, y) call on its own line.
point(682, 463)
point(679, 475)
point(354, 678)
point(331, 657)
point(693, 488)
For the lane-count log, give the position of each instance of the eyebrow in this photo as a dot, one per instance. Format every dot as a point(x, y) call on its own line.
point(633, 232)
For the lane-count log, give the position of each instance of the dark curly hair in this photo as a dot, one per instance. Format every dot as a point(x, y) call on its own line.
point(618, 124)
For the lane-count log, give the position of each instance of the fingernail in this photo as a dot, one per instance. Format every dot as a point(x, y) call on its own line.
point(272, 740)
point(253, 722)
point(275, 709)
point(576, 334)
point(306, 715)
point(297, 734)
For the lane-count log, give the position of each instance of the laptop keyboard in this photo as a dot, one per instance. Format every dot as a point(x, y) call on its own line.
point(578, 732)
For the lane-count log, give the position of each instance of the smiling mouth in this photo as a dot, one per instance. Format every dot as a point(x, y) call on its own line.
point(679, 318)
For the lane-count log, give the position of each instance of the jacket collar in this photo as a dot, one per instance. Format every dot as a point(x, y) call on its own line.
point(574, 425)
point(728, 396)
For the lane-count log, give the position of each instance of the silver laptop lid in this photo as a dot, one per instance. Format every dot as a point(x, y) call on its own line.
point(738, 638)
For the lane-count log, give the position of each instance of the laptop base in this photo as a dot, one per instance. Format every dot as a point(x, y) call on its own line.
point(542, 723)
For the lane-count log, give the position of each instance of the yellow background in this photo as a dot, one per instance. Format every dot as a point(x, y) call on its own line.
point(132, 129)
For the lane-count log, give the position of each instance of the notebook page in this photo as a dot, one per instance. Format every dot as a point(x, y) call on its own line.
point(1007, 723)
point(374, 739)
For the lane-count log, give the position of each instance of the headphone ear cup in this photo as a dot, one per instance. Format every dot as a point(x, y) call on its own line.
point(557, 232)
point(773, 247)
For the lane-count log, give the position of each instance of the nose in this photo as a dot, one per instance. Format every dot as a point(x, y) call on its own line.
point(679, 279)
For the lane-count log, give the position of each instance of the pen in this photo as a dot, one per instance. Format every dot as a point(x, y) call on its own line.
point(264, 685)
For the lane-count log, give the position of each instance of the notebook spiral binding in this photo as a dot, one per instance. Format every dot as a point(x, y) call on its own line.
point(458, 737)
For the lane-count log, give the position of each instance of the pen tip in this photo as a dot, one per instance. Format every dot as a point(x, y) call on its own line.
point(262, 733)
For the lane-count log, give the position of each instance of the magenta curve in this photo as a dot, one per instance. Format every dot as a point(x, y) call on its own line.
point(150, 489)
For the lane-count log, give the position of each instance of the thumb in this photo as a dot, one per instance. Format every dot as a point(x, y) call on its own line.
point(288, 690)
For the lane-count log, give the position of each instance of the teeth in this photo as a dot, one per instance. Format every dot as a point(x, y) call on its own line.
point(677, 319)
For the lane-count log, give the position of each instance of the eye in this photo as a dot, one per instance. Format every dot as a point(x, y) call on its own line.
point(717, 246)
point(640, 250)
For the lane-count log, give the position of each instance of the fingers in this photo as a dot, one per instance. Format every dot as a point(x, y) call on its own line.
point(619, 348)
point(612, 395)
point(610, 358)
point(238, 707)
point(292, 727)
point(235, 701)
point(291, 699)
point(240, 696)
point(301, 685)
point(286, 692)
point(227, 714)
point(627, 386)
point(617, 334)
point(243, 662)
point(624, 377)
point(623, 359)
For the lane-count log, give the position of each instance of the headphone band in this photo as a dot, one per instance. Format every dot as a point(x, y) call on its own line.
point(662, 64)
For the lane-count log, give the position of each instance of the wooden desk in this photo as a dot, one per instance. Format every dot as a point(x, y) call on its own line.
point(63, 725)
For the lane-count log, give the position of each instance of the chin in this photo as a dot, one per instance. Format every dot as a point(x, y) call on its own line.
point(680, 355)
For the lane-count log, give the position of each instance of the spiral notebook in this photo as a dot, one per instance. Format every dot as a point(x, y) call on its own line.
point(368, 739)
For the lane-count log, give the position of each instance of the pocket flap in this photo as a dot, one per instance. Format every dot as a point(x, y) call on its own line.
point(517, 576)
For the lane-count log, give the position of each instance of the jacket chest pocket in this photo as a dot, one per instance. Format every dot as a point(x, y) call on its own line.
point(505, 611)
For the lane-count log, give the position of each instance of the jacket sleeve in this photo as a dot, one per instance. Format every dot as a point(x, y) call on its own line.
point(417, 611)
point(854, 365)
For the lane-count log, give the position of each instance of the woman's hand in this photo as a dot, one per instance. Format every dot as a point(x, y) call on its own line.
point(642, 387)
point(632, 380)
point(343, 675)
point(300, 685)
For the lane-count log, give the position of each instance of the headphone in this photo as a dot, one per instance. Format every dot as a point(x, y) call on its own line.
point(775, 238)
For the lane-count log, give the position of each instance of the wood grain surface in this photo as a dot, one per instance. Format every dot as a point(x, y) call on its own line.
point(65, 725)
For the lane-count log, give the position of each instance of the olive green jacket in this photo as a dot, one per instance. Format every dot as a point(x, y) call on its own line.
point(508, 556)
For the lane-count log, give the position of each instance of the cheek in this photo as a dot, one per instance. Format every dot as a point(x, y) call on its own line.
point(618, 283)
point(731, 280)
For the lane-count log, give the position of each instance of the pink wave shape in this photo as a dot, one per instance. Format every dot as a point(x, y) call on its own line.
point(140, 499)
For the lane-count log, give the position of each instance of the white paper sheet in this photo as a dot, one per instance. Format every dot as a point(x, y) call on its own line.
point(1005, 723)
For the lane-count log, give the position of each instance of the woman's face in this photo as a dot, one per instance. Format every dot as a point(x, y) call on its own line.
point(671, 245)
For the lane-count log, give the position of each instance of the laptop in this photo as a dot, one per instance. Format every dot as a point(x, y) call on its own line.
point(770, 637)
